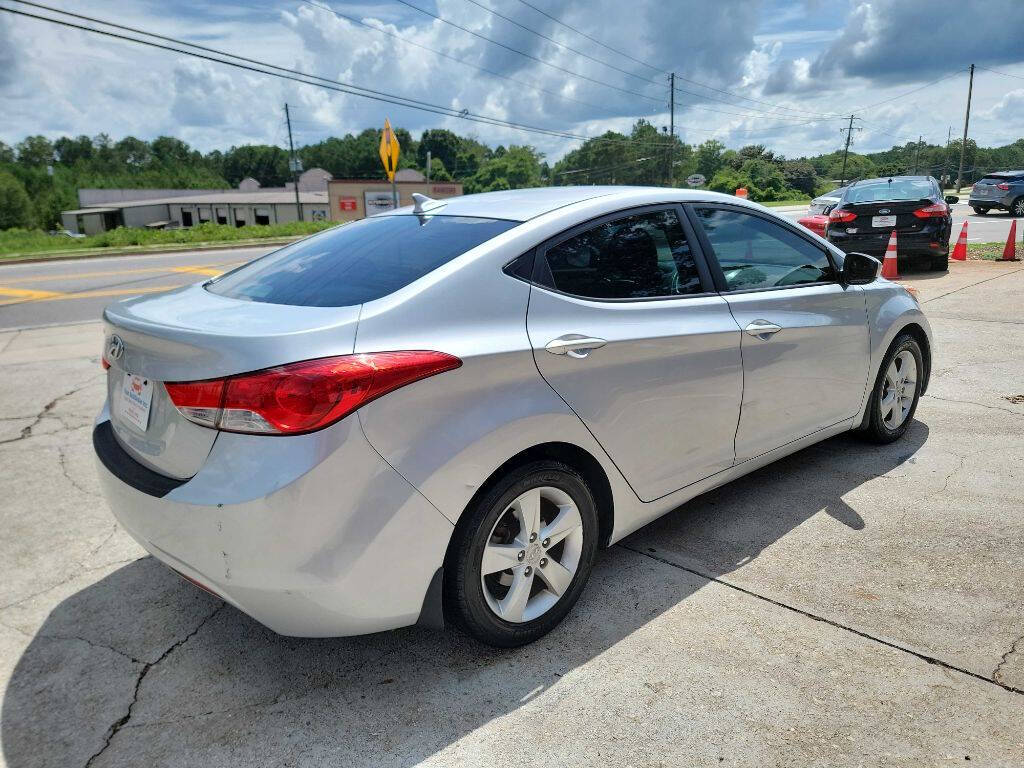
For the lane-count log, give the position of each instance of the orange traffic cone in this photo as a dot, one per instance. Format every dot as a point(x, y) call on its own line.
point(960, 251)
point(1010, 250)
point(890, 270)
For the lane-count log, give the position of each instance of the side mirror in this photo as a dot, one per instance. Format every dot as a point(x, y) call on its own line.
point(952, 199)
point(860, 269)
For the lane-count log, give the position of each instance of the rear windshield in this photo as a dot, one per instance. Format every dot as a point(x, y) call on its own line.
point(888, 190)
point(357, 262)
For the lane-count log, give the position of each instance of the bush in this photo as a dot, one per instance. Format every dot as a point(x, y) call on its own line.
point(15, 207)
point(17, 241)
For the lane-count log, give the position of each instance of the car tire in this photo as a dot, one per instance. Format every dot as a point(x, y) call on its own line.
point(880, 424)
point(980, 211)
point(1017, 207)
point(471, 598)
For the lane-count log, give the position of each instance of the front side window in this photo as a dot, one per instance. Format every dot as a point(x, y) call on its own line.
point(357, 262)
point(755, 253)
point(642, 256)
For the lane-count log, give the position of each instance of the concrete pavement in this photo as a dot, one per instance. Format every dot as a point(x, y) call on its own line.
point(849, 605)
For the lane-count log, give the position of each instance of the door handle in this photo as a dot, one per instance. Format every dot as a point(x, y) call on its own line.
point(574, 345)
point(762, 329)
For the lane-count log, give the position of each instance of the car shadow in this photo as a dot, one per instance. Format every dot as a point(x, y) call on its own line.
point(141, 667)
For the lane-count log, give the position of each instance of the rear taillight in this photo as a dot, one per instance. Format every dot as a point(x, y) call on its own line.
point(302, 397)
point(105, 363)
point(839, 215)
point(1004, 186)
point(938, 209)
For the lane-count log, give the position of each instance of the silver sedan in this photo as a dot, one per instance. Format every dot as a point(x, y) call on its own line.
point(443, 412)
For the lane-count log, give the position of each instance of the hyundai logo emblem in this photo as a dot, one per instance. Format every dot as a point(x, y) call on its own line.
point(115, 348)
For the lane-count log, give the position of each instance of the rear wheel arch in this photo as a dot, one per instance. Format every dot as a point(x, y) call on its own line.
point(572, 455)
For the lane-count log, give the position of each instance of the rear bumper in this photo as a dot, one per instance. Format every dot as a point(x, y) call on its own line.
point(908, 244)
point(313, 536)
point(1002, 203)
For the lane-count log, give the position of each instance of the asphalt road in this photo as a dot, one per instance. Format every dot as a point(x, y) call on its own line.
point(54, 292)
point(849, 605)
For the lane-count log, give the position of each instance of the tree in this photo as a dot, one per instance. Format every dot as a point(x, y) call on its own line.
point(800, 175)
point(437, 170)
point(441, 143)
point(265, 163)
point(15, 206)
point(516, 168)
point(6, 153)
point(70, 151)
point(35, 151)
point(709, 157)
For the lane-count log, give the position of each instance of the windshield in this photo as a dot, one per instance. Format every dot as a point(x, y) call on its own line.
point(890, 189)
point(357, 262)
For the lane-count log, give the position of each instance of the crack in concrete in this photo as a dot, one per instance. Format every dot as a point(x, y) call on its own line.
point(832, 623)
point(115, 727)
point(1005, 658)
point(972, 402)
point(26, 431)
point(63, 461)
point(10, 341)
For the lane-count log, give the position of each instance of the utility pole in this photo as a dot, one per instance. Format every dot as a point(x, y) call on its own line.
point(427, 174)
point(945, 161)
point(291, 161)
point(671, 125)
point(917, 154)
point(846, 150)
point(967, 120)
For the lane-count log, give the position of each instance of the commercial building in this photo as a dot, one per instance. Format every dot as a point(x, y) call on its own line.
point(357, 198)
point(320, 196)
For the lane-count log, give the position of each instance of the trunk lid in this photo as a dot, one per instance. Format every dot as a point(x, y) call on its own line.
point(190, 334)
point(903, 210)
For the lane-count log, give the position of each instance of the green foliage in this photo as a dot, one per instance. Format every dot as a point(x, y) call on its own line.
point(437, 170)
point(515, 168)
point(15, 207)
point(762, 179)
point(21, 241)
point(709, 157)
point(267, 164)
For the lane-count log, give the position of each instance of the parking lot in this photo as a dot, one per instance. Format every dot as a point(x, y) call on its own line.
point(851, 604)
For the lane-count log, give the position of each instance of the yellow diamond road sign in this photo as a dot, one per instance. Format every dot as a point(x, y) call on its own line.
point(389, 150)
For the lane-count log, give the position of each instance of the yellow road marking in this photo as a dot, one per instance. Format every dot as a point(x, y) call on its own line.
point(201, 270)
point(52, 296)
point(211, 269)
point(26, 293)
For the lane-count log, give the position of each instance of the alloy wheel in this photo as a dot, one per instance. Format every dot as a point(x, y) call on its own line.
point(1018, 207)
point(898, 389)
point(532, 554)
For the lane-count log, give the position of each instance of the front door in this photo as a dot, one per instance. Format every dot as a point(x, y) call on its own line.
point(627, 330)
point(805, 337)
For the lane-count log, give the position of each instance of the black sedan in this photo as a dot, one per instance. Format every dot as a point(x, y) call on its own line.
point(913, 206)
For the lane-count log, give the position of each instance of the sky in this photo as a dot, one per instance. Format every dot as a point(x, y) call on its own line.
point(774, 72)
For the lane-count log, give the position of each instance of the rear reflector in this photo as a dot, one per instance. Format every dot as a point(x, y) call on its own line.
point(938, 209)
point(302, 397)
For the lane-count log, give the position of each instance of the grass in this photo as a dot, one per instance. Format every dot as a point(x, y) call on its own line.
point(990, 251)
point(15, 243)
point(795, 201)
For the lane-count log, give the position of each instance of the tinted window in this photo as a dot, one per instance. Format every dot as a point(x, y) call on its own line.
point(357, 262)
point(635, 257)
point(757, 253)
point(891, 189)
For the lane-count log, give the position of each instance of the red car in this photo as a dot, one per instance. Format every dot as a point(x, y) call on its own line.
point(817, 215)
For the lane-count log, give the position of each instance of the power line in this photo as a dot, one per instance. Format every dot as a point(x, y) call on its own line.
point(354, 20)
point(1004, 74)
point(907, 93)
point(591, 39)
point(527, 55)
point(542, 36)
point(298, 76)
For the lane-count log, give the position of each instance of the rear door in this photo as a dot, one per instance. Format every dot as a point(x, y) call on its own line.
point(805, 336)
point(627, 329)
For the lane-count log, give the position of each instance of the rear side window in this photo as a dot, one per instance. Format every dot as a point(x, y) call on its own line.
point(755, 253)
point(645, 255)
point(357, 262)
